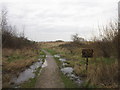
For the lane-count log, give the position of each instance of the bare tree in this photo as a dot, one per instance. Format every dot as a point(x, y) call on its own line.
point(77, 39)
point(3, 18)
point(3, 24)
point(108, 43)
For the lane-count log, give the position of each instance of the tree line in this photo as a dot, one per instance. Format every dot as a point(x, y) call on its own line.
point(10, 37)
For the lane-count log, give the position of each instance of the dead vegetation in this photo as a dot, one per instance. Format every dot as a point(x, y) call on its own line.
point(18, 52)
point(10, 37)
point(15, 61)
point(103, 67)
point(104, 75)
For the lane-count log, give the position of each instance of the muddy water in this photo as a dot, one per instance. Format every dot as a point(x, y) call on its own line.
point(44, 64)
point(28, 73)
point(69, 71)
point(57, 56)
point(62, 59)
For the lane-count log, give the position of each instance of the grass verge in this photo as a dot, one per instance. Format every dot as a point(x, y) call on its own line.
point(67, 82)
point(16, 61)
point(99, 67)
point(32, 81)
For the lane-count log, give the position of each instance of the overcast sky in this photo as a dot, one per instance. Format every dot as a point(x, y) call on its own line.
point(47, 20)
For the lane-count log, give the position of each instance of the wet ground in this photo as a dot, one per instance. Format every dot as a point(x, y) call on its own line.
point(27, 73)
point(69, 71)
point(49, 76)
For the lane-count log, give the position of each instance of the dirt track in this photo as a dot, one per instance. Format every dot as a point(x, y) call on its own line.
point(49, 77)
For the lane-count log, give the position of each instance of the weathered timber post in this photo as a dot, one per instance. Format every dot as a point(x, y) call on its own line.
point(87, 53)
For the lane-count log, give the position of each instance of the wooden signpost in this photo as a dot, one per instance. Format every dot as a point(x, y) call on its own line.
point(87, 53)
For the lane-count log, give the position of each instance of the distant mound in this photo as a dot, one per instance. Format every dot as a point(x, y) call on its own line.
point(59, 41)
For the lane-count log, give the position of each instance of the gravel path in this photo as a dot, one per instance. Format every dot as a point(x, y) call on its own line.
point(49, 77)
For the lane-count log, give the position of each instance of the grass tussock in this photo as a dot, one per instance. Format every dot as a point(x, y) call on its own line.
point(15, 61)
point(102, 71)
point(105, 75)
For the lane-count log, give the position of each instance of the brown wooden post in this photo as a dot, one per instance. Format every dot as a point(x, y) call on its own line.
point(87, 53)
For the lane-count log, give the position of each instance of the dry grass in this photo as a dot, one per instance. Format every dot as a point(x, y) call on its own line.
point(103, 74)
point(101, 71)
point(51, 44)
point(18, 65)
point(80, 70)
point(15, 61)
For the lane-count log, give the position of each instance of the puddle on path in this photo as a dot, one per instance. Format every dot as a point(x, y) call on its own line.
point(44, 64)
point(42, 56)
point(69, 71)
point(62, 59)
point(57, 56)
point(49, 56)
point(28, 73)
point(64, 64)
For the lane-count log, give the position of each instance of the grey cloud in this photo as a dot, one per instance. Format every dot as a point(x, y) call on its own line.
point(58, 19)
